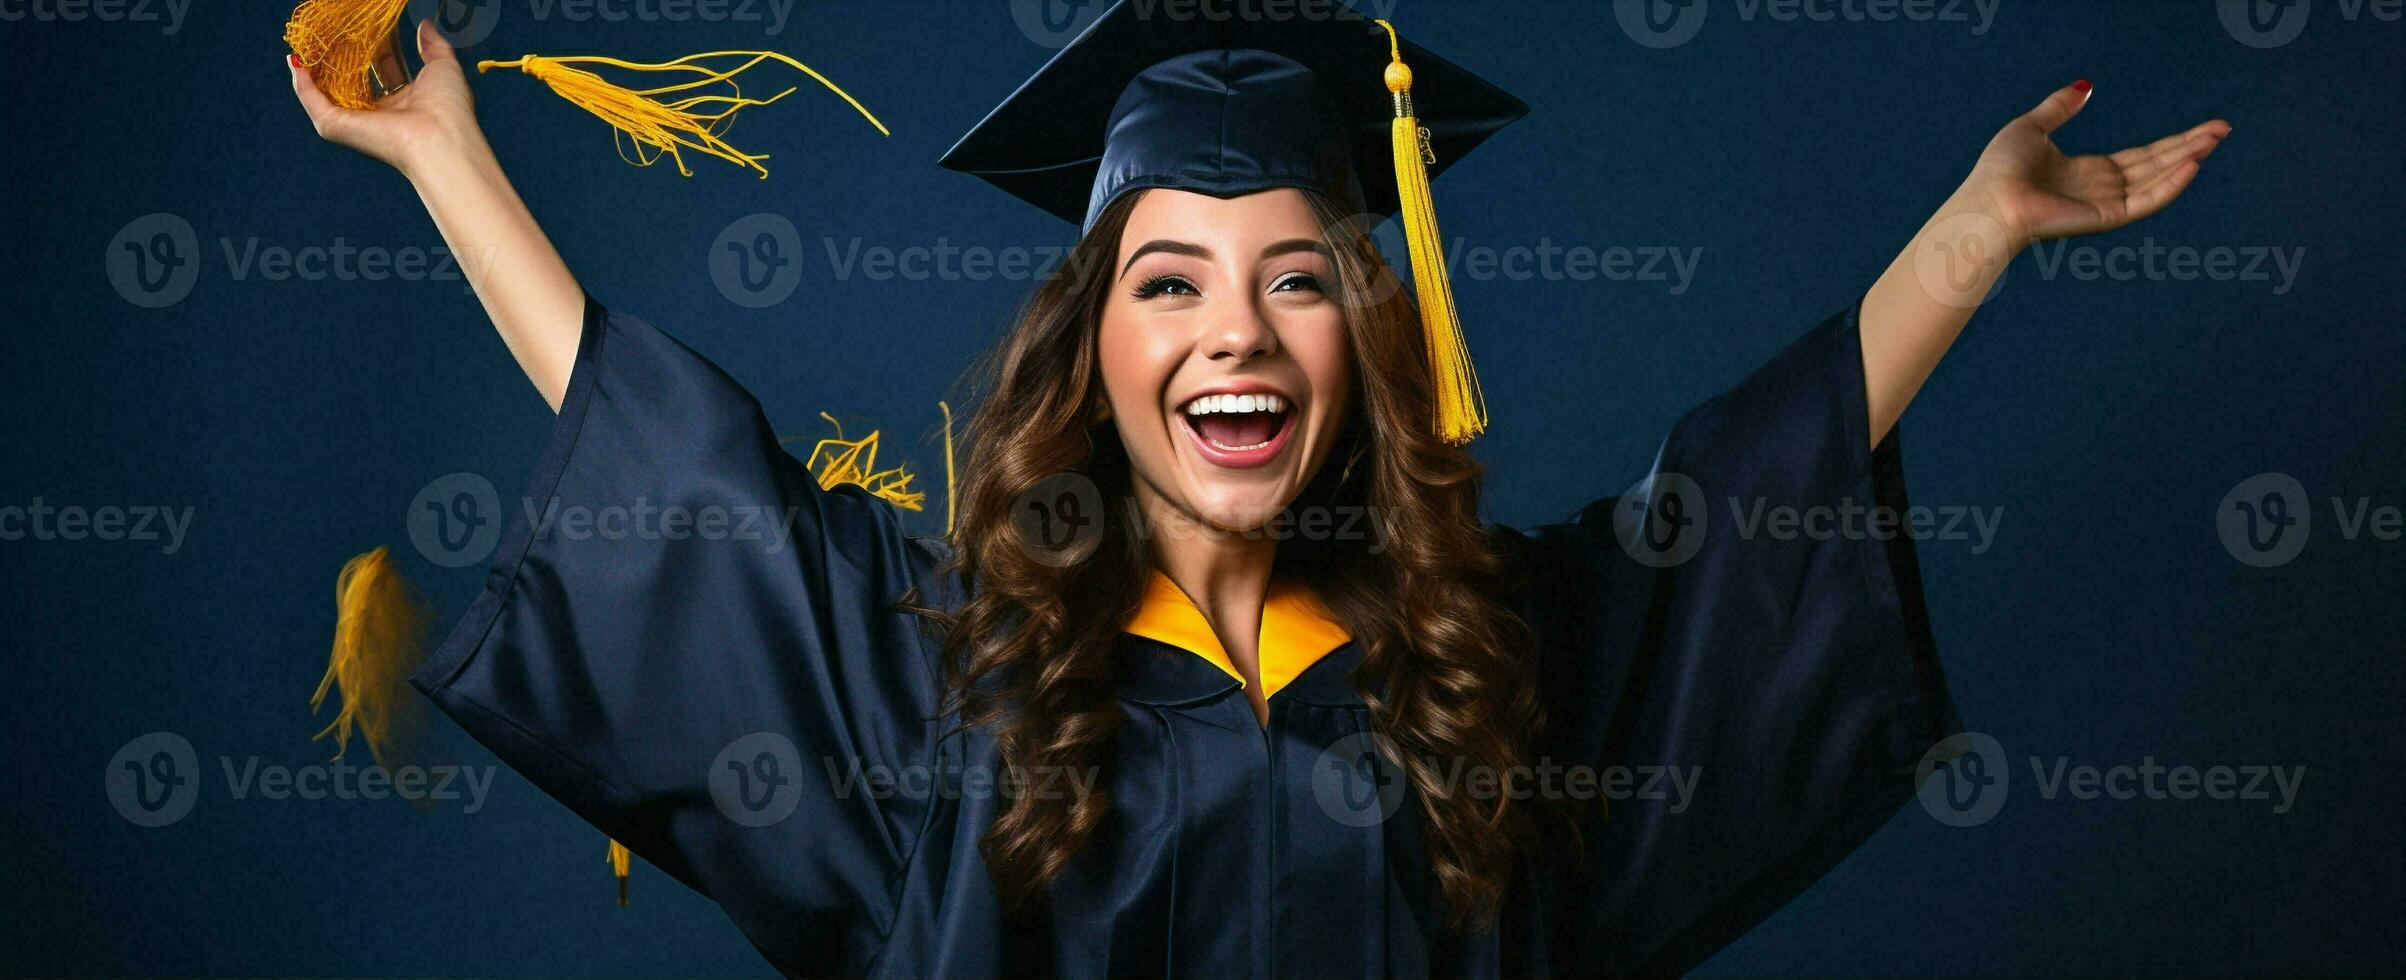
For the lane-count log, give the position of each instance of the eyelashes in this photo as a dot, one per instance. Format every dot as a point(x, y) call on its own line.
point(1165, 284)
point(1299, 282)
point(1176, 285)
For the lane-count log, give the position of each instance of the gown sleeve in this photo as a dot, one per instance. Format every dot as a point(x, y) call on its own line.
point(1787, 671)
point(692, 646)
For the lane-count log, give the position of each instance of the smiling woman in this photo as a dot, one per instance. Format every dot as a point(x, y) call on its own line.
point(1176, 742)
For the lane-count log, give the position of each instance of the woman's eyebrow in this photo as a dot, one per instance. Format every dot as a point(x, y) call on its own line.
point(1165, 245)
point(1293, 245)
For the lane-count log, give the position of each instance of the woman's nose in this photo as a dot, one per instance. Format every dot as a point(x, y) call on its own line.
point(1241, 334)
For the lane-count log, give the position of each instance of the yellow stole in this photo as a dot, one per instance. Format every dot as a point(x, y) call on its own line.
point(1296, 630)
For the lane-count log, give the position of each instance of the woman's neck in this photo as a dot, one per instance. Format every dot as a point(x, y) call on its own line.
point(1226, 574)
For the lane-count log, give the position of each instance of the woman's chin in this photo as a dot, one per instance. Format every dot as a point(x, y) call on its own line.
point(1237, 513)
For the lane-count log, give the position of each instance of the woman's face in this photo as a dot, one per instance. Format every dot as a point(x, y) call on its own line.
point(1224, 352)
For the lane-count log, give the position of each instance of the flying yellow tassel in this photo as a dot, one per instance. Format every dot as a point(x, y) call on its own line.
point(340, 41)
point(666, 121)
point(621, 862)
point(1461, 406)
point(839, 461)
point(379, 637)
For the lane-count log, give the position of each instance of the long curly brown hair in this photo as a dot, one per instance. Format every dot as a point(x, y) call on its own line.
point(1039, 668)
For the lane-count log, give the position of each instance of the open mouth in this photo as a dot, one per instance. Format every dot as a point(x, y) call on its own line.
point(1238, 430)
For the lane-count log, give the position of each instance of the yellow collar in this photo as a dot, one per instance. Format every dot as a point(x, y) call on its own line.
point(1296, 630)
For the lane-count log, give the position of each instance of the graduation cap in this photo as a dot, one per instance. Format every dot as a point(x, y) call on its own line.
point(1235, 105)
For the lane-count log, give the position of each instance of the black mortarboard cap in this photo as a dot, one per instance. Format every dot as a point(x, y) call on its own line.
point(1222, 106)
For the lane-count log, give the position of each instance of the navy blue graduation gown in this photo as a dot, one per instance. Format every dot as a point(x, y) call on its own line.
point(737, 699)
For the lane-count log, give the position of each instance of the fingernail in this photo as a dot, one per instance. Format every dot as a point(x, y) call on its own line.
point(293, 59)
point(2082, 87)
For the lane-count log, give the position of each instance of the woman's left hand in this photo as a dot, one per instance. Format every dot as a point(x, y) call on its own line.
point(2040, 193)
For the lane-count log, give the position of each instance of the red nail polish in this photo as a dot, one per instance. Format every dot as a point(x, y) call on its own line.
point(294, 58)
point(2081, 86)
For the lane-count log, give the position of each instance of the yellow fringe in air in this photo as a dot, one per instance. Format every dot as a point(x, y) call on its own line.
point(339, 42)
point(666, 121)
point(949, 509)
point(838, 461)
point(379, 637)
point(1461, 406)
point(621, 862)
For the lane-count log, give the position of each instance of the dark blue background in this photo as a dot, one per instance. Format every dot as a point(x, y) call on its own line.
point(2106, 418)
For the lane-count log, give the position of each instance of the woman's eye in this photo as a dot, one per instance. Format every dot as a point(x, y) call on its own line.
point(1297, 283)
point(1170, 285)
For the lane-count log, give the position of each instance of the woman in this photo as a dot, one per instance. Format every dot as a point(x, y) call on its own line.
point(1136, 715)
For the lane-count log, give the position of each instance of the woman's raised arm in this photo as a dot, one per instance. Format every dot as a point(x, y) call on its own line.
point(428, 131)
point(2022, 190)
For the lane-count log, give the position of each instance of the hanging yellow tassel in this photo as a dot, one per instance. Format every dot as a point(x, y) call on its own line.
point(621, 862)
point(339, 41)
point(379, 638)
point(1461, 406)
point(659, 125)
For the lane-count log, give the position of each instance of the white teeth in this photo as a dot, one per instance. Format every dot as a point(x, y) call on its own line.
point(1236, 404)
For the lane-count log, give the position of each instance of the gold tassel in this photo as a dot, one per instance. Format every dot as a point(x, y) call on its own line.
point(658, 125)
point(379, 638)
point(1461, 407)
point(621, 862)
point(838, 461)
point(949, 509)
point(339, 42)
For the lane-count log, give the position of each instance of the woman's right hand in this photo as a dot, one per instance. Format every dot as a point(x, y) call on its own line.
point(428, 131)
point(432, 116)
